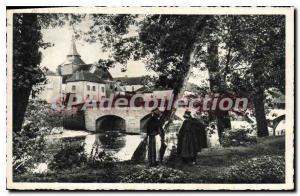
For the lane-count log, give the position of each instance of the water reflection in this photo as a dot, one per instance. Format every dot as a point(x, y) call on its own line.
point(111, 140)
point(118, 144)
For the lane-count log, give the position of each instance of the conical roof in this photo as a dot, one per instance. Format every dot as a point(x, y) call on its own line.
point(73, 50)
point(73, 57)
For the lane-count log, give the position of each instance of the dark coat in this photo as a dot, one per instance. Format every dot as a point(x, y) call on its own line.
point(200, 134)
point(153, 126)
point(189, 139)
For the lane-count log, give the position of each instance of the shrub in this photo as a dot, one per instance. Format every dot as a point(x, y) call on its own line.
point(101, 159)
point(264, 169)
point(27, 147)
point(156, 175)
point(29, 142)
point(237, 137)
point(68, 156)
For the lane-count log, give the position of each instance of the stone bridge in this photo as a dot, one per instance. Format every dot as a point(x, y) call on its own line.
point(127, 119)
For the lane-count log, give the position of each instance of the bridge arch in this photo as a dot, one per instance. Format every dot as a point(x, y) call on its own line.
point(277, 120)
point(110, 123)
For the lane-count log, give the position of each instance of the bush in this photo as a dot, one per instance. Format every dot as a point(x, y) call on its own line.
point(68, 156)
point(101, 159)
point(27, 147)
point(42, 114)
point(157, 175)
point(237, 137)
point(264, 169)
point(29, 142)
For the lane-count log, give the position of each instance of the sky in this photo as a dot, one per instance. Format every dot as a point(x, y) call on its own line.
point(91, 52)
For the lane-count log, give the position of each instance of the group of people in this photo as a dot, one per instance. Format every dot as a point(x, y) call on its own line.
point(191, 138)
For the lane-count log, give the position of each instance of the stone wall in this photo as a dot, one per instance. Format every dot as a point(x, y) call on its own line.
point(132, 118)
point(74, 120)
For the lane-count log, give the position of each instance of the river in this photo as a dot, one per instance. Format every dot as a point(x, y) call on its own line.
point(120, 145)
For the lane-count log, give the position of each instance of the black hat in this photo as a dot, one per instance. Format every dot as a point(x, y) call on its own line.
point(187, 114)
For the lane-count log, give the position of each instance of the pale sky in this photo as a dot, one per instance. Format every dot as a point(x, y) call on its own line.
point(91, 53)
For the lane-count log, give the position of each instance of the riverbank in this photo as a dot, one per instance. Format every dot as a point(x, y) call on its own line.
point(216, 165)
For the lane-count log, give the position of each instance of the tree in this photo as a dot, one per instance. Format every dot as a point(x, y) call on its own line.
point(165, 43)
point(28, 79)
point(28, 75)
point(259, 44)
point(169, 46)
point(27, 40)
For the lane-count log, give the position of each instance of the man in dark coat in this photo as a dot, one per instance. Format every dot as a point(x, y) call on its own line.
point(153, 129)
point(188, 140)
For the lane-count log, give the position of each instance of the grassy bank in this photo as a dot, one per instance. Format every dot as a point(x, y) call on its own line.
point(262, 162)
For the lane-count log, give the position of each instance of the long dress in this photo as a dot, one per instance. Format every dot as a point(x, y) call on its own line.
point(200, 134)
point(188, 142)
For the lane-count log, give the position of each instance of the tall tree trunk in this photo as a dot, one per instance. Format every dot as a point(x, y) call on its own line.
point(20, 102)
point(26, 57)
point(222, 117)
point(167, 115)
point(258, 101)
point(260, 114)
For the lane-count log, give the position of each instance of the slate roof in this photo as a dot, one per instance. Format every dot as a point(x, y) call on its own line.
point(190, 87)
point(101, 72)
point(84, 76)
point(130, 80)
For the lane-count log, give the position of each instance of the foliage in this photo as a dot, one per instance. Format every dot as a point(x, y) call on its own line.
point(42, 115)
point(69, 156)
point(29, 142)
point(264, 169)
point(157, 175)
point(75, 174)
point(163, 42)
point(28, 75)
point(101, 159)
point(27, 147)
point(27, 41)
point(216, 165)
point(238, 137)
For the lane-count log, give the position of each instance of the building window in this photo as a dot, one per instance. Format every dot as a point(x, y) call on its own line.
point(102, 89)
point(73, 87)
point(88, 87)
point(94, 88)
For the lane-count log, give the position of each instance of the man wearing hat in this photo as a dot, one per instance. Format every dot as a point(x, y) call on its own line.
point(188, 142)
point(153, 128)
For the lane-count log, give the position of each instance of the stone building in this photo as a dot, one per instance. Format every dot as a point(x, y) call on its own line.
point(74, 76)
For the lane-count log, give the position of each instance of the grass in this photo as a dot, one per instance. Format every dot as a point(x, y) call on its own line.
point(212, 164)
